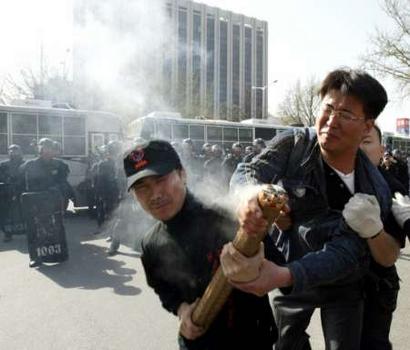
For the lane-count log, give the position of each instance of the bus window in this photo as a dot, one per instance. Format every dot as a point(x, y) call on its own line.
point(230, 134)
point(74, 146)
point(198, 146)
point(180, 131)
point(214, 133)
point(164, 130)
point(196, 132)
point(24, 131)
point(49, 125)
point(26, 142)
point(147, 129)
point(266, 134)
point(74, 126)
point(97, 140)
point(227, 146)
point(245, 135)
point(3, 133)
point(24, 124)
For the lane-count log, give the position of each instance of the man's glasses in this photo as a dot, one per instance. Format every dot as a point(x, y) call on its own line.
point(341, 115)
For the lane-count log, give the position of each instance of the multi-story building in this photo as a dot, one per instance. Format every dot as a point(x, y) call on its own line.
point(218, 63)
point(214, 63)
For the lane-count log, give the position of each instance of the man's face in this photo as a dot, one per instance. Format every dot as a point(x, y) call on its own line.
point(162, 196)
point(237, 151)
point(15, 153)
point(336, 134)
point(46, 152)
point(372, 147)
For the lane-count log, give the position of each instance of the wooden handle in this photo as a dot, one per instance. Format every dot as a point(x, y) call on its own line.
point(271, 202)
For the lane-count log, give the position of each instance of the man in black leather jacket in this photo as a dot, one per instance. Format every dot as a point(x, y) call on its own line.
point(181, 253)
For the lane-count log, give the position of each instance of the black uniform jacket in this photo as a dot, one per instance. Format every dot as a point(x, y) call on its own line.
point(180, 257)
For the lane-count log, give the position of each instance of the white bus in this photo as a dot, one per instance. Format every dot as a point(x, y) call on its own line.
point(172, 127)
point(79, 132)
point(392, 142)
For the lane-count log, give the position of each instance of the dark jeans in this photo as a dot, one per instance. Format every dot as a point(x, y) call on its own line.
point(341, 311)
point(379, 305)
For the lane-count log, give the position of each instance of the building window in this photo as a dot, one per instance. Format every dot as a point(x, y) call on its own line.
point(210, 64)
point(182, 56)
point(260, 94)
point(248, 71)
point(196, 59)
point(223, 67)
point(236, 34)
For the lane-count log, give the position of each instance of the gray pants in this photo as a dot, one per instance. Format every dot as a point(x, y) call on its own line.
point(341, 316)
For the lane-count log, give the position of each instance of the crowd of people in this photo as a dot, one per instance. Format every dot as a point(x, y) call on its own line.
point(333, 247)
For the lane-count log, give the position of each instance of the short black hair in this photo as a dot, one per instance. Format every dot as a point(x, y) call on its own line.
point(357, 83)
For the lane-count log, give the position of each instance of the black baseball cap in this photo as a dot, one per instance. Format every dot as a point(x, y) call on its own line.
point(155, 157)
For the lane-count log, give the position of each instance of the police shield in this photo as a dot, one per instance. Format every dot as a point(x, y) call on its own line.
point(11, 219)
point(45, 230)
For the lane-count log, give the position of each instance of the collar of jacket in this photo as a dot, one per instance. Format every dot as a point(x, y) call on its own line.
point(368, 178)
point(190, 205)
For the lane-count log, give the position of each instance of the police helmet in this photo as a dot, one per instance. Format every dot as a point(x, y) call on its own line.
point(217, 150)
point(46, 142)
point(396, 153)
point(14, 147)
point(236, 144)
point(259, 142)
point(187, 141)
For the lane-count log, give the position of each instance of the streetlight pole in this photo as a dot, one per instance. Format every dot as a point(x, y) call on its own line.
point(263, 89)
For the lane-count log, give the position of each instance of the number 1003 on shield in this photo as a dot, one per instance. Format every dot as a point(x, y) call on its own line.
point(49, 250)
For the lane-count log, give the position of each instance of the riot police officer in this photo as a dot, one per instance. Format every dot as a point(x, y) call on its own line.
point(231, 161)
point(258, 146)
point(44, 179)
point(8, 187)
point(107, 182)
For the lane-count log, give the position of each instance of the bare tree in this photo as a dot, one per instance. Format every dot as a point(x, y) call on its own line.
point(390, 51)
point(43, 86)
point(301, 103)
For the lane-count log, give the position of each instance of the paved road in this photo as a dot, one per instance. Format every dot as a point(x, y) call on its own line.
point(97, 302)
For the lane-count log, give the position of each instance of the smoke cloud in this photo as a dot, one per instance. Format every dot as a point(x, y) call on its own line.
point(118, 48)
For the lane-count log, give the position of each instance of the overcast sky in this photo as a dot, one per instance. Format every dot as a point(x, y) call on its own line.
point(306, 38)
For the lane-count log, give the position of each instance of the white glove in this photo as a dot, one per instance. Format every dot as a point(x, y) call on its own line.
point(362, 214)
point(239, 268)
point(401, 208)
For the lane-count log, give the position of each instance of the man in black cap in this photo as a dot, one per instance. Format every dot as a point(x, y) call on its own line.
point(9, 170)
point(181, 253)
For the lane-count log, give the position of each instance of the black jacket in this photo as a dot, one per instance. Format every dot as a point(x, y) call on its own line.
point(180, 257)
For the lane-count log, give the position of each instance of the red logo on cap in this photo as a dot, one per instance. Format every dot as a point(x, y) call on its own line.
point(137, 155)
point(138, 158)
